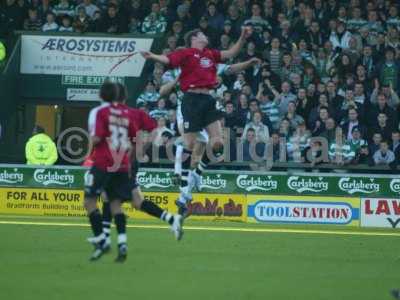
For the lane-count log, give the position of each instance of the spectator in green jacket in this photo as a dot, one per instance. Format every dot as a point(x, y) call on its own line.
point(40, 149)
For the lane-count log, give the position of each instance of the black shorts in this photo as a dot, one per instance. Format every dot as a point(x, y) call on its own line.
point(117, 185)
point(198, 111)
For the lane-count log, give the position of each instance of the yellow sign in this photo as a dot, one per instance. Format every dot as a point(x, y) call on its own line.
point(203, 207)
point(53, 202)
point(43, 202)
point(303, 210)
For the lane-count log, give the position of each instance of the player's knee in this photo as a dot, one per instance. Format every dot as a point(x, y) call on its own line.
point(190, 145)
point(115, 207)
point(137, 201)
point(90, 204)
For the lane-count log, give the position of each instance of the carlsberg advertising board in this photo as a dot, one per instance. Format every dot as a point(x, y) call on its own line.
point(220, 182)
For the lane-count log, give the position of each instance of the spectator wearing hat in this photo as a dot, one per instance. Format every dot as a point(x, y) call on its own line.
point(356, 141)
point(66, 25)
point(384, 156)
point(229, 30)
point(155, 22)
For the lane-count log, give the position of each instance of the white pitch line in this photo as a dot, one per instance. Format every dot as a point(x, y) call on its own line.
point(218, 228)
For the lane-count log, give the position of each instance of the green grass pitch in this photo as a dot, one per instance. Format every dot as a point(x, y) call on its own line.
point(51, 262)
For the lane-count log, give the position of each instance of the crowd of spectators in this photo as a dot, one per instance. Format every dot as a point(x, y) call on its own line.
point(329, 68)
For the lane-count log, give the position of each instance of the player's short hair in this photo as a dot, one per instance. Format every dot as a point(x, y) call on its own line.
point(109, 92)
point(122, 92)
point(189, 35)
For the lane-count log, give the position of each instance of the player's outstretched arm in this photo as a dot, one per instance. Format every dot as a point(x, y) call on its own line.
point(235, 49)
point(155, 57)
point(239, 67)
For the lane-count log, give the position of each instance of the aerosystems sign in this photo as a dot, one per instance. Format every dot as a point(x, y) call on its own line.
point(84, 56)
point(380, 212)
point(303, 210)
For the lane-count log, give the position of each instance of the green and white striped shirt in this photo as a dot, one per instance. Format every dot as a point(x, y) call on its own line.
point(355, 24)
point(357, 144)
point(344, 151)
point(154, 24)
point(158, 113)
point(271, 109)
point(147, 97)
